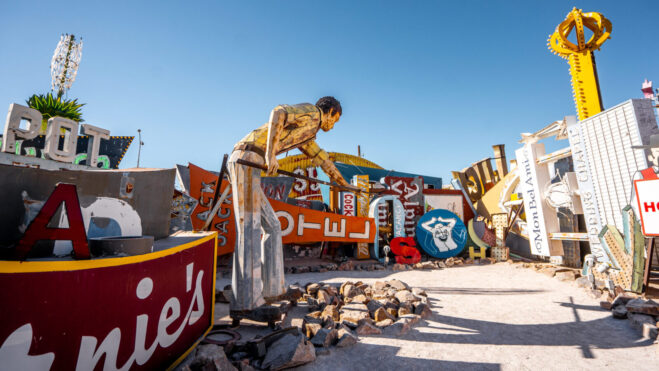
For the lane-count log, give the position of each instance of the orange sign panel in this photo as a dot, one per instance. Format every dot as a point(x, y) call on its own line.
point(202, 189)
point(300, 225)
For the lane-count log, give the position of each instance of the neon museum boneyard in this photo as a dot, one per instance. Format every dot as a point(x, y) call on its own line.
point(73, 222)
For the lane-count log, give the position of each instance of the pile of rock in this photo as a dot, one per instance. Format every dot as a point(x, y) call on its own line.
point(319, 316)
point(207, 357)
point(279, 350)
point(337, 315)
point(643, 315)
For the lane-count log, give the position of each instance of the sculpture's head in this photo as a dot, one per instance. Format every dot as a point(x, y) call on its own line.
point(331, 109)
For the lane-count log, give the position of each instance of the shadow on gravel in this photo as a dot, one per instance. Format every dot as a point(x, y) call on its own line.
point(603, 333)
point(384, 357)
point(477, 291)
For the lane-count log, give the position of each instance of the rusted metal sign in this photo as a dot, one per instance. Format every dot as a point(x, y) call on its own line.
point(453, 200)
point(80, 317)
point(64, 196)
point(277, 187)
point(410, 192)
point(113, 202)
point(305, 189)
point(202, 189)
point(299, 224)
point(57, 147)
point(111, 151)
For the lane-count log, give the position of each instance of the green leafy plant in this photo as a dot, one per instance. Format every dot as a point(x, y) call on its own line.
point(51, 106)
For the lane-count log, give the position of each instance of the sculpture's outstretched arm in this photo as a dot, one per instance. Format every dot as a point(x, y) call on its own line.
point(320, 158)
point(275, 126)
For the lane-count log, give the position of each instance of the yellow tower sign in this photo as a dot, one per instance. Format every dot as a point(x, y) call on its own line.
point(581, 56)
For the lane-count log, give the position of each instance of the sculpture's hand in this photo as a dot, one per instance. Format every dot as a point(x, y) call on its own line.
point(273, 166)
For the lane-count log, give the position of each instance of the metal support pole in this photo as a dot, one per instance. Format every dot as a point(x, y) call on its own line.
point(139, 147)
point(215, 204)
point(649, 247)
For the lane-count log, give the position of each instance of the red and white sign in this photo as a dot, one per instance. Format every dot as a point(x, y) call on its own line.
point(305, 189)
point(410, 192)
point(647, 196)
point(348, 203)
point(137, 312)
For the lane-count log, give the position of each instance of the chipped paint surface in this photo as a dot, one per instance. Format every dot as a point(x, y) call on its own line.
point(410, 192)
point(302, 225)
point(202, 188)
point(258, 263)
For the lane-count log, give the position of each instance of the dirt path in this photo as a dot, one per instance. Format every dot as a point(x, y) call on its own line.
point(494, 317)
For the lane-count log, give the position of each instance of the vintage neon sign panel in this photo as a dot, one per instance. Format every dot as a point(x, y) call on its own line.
point(78, 318)
point(410, 192)
point(13, 132)
point(441, 233)
point(299, 225)
point(348, 204)
point(647, 196)
point(539, 219)
point(398, 219)
point(586, 188)
point(202, 189)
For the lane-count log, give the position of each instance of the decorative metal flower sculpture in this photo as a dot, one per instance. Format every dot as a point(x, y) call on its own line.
point(65, 62)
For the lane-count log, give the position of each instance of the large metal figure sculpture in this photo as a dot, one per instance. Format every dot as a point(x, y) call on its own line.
point(581, 57)
point(258, 263)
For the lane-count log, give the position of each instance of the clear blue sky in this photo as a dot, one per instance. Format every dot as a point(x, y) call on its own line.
point(426, 86)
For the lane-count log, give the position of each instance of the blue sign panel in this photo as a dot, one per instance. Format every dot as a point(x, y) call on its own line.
point(441, 233)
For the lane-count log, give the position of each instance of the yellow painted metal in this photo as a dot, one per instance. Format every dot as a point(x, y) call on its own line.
point(474, 237)
point(492, 201)
point(473, 254)
point(290, 163)
point(581, 58)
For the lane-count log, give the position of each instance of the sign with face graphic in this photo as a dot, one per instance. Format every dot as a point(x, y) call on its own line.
point(441, 233)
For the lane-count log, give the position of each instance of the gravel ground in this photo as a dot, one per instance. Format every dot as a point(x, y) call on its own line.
point(493, 317)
